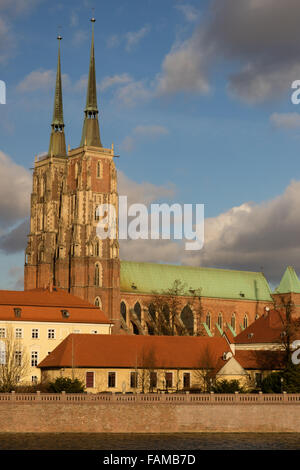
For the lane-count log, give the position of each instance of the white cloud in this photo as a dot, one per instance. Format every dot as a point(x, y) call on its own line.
point(113, 41)
point(15, 188)
point(79, 37)
point(134, 37)
point(190, 13)
point(114, 80)
point(40, 80)
point(286, 120)
point(133, 93)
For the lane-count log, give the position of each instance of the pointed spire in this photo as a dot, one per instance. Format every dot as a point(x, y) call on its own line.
point(289, 282)
point(57, 140)
point(90, 131)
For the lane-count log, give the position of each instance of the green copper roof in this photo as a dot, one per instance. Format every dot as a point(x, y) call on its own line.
point(219, 283)
point(289, 282)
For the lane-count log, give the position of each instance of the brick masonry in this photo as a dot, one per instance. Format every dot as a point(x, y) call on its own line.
point(149, 417)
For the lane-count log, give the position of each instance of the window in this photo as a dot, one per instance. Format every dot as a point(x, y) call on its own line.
point(138, 311)
point(98, 302)
point(34, 333)
point(18, 358)
point(34, 379)
point(258, 378)
point(208, 320)
point(98, 275)
point(233, 321)
point(245, 323)
point(169, 379)
point(153, 380)
point(220, 320)
point(186, 380)
point(99, 170)
point(34, 358)
point(2, 333)
point(187, 318)
point(51, 334)
point(152, 313)
point(123, 310)
point(19, 333)
point(89, 380)
point(133, 379)
point(111, 379)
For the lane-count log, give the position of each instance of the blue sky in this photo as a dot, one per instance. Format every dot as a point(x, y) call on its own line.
point(187, 104)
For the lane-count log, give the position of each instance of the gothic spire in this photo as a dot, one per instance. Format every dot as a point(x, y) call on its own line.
point(57, 140)
point(90, 131)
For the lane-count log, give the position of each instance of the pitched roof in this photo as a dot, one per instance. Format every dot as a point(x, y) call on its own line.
point(266, 329)
point(289, 282)
point(219, 283)
point(132, 351)
point(260, 359)
point(45, 306)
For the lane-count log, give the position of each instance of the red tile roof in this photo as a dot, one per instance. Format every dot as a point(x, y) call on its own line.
point(45, 306)
point(133, 351)
point(260, 359)
point(266, 329)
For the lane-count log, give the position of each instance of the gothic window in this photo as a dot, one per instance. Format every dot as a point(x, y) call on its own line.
point(138, 310)
point(187, 318)
point(134, 328)
point(99, 170)
point(76, 170)
point(123, 310)
point(208, 320)
point(98, 275)
point(152, 313)
point(98, 302)
point(245, 322)
point(97, 248)
point(233, 321)
point(220, 320)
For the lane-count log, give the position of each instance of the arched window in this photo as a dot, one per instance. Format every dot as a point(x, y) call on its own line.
point(98, 275)
point(232, 322)
point(123, 310)
point(150, 330)
point(220, 320)
point(99, 170)
point(98, 302)
point(138, 311)
point(152, 313)
point(208, 320)
point(134, 328)
point(256, 316)
point(166, 312)
point(245, 322)
point(97, 248)
point(187, 318)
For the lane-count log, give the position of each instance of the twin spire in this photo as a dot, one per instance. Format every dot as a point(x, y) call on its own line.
point(90, 131)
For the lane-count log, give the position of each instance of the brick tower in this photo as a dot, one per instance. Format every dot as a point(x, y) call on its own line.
point(63, 248)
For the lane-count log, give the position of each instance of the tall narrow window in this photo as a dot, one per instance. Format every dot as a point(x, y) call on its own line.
point(34, 358)
point(186, 380)
point(138, 311)
point(18, 358)
point(187, 318)
point(169, 379)
point(98, 302)
point(220, 320)
point(208, 322)
point(123, 310)
point(89, 380)
point(98, 275)
point(133, 379)
point(153, 380)
point(111, 379)
point(233, 321)
point(245, 323)
point(99, 170)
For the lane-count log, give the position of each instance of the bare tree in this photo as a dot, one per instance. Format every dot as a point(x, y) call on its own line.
point(290, 327)
point(14, 362)
point(204, 373)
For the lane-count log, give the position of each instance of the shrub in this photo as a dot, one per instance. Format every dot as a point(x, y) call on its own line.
point(65, 384)
point(227, 386)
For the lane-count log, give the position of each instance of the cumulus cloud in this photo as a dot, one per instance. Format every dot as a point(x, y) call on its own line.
point(142, 132)
point(114, 80)
point(286, 120)
point(134, 37)
point(259, 38)
point(250, 237)
point(40, 80)
point(15, 187)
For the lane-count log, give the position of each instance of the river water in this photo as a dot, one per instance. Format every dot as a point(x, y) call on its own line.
point(187, 441)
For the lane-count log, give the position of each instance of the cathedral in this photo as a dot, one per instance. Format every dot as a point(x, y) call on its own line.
point(64, 252)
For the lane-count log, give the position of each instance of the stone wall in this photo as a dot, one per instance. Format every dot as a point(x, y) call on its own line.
point(149, 413)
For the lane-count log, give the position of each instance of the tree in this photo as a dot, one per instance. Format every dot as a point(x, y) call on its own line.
point(290, 327)
point(66, 384)
point(205, 374)
point(227, 386)
point(14, 361)
point(288, 381)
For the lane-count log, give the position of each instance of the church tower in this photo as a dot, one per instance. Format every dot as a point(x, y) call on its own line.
point(76, 260)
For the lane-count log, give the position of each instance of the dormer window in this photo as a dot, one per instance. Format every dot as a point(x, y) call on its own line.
point(65, 313)
point(17, 312)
